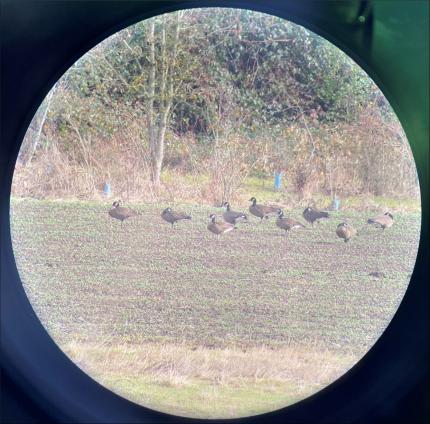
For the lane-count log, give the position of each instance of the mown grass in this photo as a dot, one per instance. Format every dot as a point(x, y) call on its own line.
point(100, 285)
point(199, 399)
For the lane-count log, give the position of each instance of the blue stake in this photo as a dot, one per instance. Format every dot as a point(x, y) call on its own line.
point(335, 203)
point(278, 180)
point(106, 189)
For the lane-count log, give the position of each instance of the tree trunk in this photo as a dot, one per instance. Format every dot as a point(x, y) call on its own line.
point(158, 150)
point(151, 95)
point(34, 131)
point(164, 81)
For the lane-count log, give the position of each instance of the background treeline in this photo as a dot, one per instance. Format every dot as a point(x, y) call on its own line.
point(196, 104)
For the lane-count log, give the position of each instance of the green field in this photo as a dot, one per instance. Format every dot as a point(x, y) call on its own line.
point(160, 315)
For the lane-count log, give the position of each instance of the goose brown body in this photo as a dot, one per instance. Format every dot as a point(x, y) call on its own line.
point(233, 217)
point(170, 216)
point(345, 231)
point(219, 227)
point(312, 214)
point(287, 224)
point(121, 213)
point(383, 221)
point(262, 211)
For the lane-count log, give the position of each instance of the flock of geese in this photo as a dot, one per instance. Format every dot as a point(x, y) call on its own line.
point(231, 218)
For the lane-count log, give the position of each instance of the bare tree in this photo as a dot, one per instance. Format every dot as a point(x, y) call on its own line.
point(33, 135)
point(160, 87)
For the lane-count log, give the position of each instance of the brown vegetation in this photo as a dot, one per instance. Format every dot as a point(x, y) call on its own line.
point(177, 363)
point(166, 117)
point(277, 376)
point(367, 157)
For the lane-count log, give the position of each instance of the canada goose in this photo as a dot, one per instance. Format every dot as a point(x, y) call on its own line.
point(287, 224)
point(233, 217)
point(121, 213)
point(261, 211)
point(312, 214)
point(219, 227)
point(345, 231)
point(383, 221)
point(172, 217)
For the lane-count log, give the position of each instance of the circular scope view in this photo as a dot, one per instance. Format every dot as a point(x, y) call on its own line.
point(215, 213)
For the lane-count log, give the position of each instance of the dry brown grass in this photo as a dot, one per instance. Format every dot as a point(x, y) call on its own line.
point(210, 383)
point(177, 364)
point(78, 170)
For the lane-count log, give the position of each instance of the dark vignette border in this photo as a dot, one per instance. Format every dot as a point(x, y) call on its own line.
point(42, 39)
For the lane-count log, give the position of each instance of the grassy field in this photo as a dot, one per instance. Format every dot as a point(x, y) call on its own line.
point(184, 323)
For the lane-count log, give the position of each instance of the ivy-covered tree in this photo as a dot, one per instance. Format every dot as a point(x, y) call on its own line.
point(215, 75)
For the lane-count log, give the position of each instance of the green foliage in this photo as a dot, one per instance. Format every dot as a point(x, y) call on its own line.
point(299, 102)
point(275, 71)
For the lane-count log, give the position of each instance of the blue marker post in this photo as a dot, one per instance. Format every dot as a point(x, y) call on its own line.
point(278, 180)
point(106, 189)
point(335, 203)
